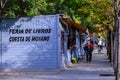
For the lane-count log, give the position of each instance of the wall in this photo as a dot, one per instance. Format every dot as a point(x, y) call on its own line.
point(30, 42)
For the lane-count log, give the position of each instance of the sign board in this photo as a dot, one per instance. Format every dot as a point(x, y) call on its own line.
point(30, 42)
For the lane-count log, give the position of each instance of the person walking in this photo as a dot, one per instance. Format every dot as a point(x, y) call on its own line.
point(89, 50)
point(99, 46)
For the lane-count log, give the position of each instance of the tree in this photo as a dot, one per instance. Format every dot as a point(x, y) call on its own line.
point(22, 8)
point(94, 14)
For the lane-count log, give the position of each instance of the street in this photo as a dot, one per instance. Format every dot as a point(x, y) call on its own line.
point(98, 69)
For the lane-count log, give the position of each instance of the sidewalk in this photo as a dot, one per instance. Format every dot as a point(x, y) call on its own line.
point(82, 71)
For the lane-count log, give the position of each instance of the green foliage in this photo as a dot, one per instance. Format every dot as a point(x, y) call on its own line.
point(87, 12)
point(90, 13)
point(95, 12)
point(20, 8)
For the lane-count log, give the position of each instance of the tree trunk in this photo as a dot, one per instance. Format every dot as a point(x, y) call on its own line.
point(109, 45)
point(118, 74)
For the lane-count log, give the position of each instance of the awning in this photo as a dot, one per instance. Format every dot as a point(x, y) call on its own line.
point(75, 25)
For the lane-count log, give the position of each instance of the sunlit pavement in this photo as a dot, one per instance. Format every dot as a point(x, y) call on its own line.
point(82, 71)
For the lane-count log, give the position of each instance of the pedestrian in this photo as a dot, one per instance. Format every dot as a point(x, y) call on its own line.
point(99, 46)
point(89, 50)
point(84, 44)
point(103, 44)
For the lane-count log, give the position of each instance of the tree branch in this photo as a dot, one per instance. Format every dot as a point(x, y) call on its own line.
point(3, 2)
